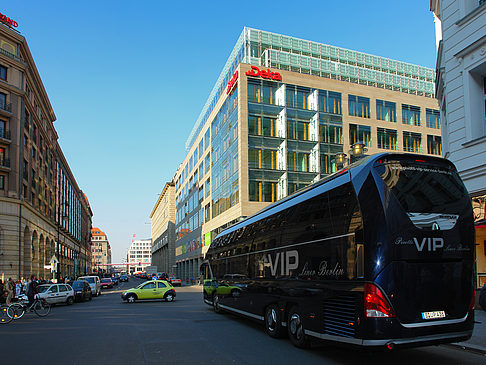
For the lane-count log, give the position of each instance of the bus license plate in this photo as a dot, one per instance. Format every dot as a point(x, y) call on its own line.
point(433, 315)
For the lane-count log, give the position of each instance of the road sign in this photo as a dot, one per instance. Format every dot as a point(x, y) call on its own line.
point(54, 260)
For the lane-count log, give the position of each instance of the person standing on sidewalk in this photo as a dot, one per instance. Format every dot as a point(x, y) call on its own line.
point(10, 288)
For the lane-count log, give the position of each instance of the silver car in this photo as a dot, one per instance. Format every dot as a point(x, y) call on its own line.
point(56, 293)
point(94, 283)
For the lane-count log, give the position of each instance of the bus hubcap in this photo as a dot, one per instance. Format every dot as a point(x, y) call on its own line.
point(296, 325)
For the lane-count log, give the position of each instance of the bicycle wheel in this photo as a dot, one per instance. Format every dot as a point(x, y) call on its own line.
point(42, 308)
point(4, 318)
point(15, 311)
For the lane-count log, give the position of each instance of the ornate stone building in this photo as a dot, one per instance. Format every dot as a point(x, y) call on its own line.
point(44, 215)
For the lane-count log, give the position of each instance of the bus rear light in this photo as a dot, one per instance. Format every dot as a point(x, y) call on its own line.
point(473, 301)
point(375, 303)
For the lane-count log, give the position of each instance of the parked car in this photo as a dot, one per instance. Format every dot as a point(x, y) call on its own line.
point(175, 281)
point(124, 278)
point(115, 280)
point(94, 283)
point(56, 293)
point(82, 290)
point(153, 289)
point(106, 283)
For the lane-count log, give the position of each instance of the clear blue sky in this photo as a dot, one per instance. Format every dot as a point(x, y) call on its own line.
point(128, 79)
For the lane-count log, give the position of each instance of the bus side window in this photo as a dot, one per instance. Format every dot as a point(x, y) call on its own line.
point(360, 261)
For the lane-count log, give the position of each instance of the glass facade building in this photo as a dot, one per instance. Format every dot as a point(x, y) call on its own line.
point(279, 112)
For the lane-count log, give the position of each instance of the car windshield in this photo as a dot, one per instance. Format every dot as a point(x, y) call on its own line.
point(42, 288)
point(89, 280)
point(77, 284)
point(106, 281)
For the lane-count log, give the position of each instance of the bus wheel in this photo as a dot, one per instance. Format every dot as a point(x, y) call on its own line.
point(273, 322)
point(216, 306)
point(296, 329)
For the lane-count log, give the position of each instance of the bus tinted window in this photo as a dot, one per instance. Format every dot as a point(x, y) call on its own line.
point(424, 188)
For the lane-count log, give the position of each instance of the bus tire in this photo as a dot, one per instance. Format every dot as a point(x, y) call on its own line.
point(216, 306)
point(295, 328)
point(273, 322)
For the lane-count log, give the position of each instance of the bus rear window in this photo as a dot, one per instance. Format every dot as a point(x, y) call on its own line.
point(425, 188)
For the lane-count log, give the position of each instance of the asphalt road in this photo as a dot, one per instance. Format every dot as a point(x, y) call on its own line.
point(186, 331)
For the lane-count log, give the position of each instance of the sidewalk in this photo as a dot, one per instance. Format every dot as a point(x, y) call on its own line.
point(477, 343)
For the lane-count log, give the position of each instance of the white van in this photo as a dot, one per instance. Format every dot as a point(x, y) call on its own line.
point(94, 283)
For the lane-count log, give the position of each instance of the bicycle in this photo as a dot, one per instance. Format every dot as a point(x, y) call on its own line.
point(40, 306)
point(4, 317)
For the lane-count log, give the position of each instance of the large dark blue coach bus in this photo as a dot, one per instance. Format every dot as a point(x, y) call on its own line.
point(376, 255)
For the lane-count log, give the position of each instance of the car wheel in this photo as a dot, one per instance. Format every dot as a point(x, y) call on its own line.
point(273, 322)
point(90, 297)
point(169, 297)
point(216, 304)
point(70, 301)
point(295, 328)
point(131, 298)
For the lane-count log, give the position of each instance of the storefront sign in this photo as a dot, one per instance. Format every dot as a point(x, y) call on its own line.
point(10, 22)
point(264, 74)
point(232, 82)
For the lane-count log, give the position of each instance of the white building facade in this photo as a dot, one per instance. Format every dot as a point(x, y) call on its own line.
point(461, 90)
point(139, 255)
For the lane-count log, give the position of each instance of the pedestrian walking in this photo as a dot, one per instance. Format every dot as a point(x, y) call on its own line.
point(10, 288)
point(3, 293)
point(31, 289)
point(18, 288)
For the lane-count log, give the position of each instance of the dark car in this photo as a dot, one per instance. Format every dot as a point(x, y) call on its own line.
point(82, 290)
point(115, 280)
point(123, 278)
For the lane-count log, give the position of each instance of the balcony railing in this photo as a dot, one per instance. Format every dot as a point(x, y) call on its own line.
point(6, 107)
point(4, 134)
point(5, 162)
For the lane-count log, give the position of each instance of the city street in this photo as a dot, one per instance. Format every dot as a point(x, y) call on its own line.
point(186, 331)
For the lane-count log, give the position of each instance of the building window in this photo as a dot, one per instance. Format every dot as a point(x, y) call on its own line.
point(3, 73)
point(262, 159)
point(484, 99)
point(3, 129)
point(262, 92)
point(386, 110)
point(412, 142)
point(410, 115)
point(327, 164)
point(298, 161)
point(262, 126)
point(297, 97)
point(360, 133)
point(434, 145)
point(263, 191)
point(359, 106)
point(432, 118)
point(387, 138)
point(2, 182)
point(329, 102)
point(3, 101)
point(298, 130)
point(330, 133)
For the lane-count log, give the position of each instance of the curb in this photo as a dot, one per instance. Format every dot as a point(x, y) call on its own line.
point(469, 348)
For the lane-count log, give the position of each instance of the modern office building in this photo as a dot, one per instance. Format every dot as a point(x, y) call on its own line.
point(139, 255)
point(100, 251)
point(162, 227)
point(461, 91)
point(280, 111)
point(44, 215)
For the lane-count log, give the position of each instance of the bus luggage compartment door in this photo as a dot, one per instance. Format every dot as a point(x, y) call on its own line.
point(424, 292)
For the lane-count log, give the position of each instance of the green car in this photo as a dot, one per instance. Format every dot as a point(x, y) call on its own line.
point(153, 289)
